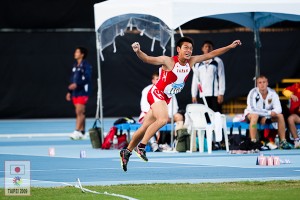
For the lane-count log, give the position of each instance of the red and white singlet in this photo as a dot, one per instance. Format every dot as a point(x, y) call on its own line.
point(169, 83)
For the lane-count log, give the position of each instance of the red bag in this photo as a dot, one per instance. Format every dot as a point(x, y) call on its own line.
point(109, 138)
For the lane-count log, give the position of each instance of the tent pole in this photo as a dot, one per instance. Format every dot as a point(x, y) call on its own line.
point(172, 43)
point(172, 101)
point(257, 44)
point(99, 111)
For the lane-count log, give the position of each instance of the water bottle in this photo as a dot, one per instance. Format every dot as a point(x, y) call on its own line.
point(277, 141)
point(115, 142)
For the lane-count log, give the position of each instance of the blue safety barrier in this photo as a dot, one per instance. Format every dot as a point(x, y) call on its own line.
point(134, 127)
point(245, 125)
point(167, 127)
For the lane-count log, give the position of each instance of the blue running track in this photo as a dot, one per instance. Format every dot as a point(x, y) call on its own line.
point(31, 139)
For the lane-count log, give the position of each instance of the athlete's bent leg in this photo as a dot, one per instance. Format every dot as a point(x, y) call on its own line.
point(137, 137)
point(160, 113)
point(139, 134)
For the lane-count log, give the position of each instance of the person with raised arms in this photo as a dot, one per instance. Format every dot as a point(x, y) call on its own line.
point(174, 73)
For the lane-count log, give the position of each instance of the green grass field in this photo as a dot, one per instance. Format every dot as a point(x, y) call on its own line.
point(281, 190)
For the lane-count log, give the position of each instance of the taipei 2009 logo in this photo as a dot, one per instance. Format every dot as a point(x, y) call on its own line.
point(17, 181)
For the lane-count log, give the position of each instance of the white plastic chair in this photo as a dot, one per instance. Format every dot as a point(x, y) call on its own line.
point(198, 123)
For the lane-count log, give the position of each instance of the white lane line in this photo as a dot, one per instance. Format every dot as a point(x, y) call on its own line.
point(31, 135)
point(180, 165)
point(173, 181)
point(46, 155)
point(79, 185)
point(103, 193)
point(216, 165)
point(108, 168)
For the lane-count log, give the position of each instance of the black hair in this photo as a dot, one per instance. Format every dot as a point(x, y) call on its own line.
point(155, 74)
point(83, 51)
point(207, 42)
point(184, 39)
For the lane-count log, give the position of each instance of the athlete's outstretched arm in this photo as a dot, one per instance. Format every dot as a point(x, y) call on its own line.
point(214, 53)
point(160, 60)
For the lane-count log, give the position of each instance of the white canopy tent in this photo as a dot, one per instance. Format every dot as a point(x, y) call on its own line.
point(174, 13)
point(158, 19)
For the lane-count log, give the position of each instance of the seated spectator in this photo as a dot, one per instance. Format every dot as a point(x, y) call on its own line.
point(263, 106)
point(293, 93)
point(178, 118)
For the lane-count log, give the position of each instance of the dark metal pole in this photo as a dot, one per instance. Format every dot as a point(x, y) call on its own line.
point(257, 44)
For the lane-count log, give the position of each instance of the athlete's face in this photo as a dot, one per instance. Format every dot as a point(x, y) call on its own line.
point(262, 83)
point(154, 80)
point(185, 51)
point(207, 48)
point(78, 54)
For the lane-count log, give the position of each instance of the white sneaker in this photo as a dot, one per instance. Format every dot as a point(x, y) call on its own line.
point(297, 144)
point(154, 146)
point(165, 147)
point(271, 145)
point(76, 135)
